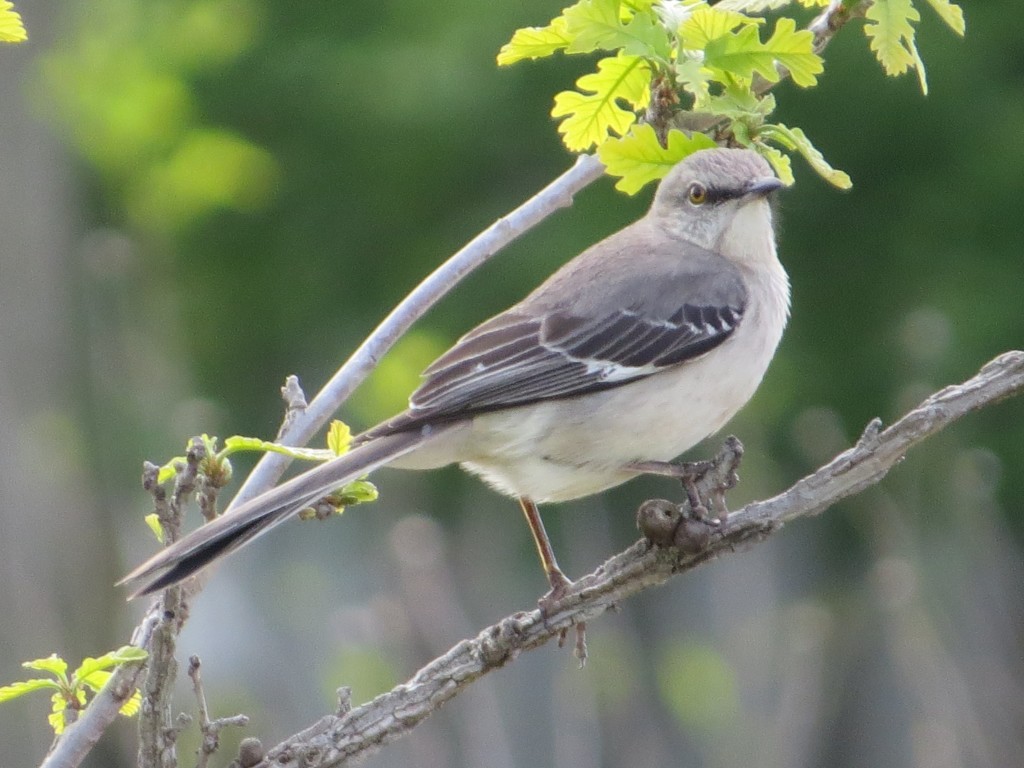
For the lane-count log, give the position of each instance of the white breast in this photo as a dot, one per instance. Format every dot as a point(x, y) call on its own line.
point(571, 448)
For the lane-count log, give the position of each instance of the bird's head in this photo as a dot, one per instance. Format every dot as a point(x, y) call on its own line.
point(717, 199)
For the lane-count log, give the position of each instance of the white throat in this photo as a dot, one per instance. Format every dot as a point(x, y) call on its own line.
point(749, 238)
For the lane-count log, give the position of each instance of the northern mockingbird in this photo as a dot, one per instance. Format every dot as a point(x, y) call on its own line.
point(630, 354)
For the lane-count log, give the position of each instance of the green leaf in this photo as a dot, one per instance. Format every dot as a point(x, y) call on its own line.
point(796, 139)
point(590, 116)
point(636, 6)
point(922, 78)
point(535, 42)
point(124, 654)
point(131, 707)
point(779, 160)
point(890, 30)
point(708, 23)
point(14, 690)
point(740, 104)
point(693, 76)
point(356, 492)
point(128, 653)
point(639, 159)
point(153, 522)
point(56, 716)
point(169, 470)
point(95, 680)
point(741, 54)
point(53, 664)
point(339, 437)
point(951, 13)
point(597, 25)
point(240, 443)
point(12, 29)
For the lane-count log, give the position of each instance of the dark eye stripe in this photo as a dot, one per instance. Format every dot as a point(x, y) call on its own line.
point(717, 195)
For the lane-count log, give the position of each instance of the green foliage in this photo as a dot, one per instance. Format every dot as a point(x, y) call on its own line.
point(699, 685)
point(71, 693)
point(215, 466)
point(639, 158)
point(710, 60)
point(12, 30)
point(794, 139)
point(741, 54)
point(594, 110)
point(890, 29)
point(609, 25)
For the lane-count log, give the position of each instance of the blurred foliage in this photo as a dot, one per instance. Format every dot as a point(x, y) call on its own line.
point(122, 92)
point(699, 685)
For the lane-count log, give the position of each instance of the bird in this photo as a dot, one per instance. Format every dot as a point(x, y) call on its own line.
point(627, 356)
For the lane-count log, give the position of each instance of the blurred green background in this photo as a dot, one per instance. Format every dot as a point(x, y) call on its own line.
point(199, 197)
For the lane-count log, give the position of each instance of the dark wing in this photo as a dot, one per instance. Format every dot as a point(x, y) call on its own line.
point(540, 351)
point(515, 360)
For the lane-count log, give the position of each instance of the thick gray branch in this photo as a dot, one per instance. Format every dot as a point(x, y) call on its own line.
point(338, 739)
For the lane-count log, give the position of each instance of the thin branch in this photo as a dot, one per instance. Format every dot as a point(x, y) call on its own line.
point(157, 732)
point(345, 737)
point(210, 729)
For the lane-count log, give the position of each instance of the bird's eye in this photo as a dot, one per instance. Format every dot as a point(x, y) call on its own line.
point(698, 194)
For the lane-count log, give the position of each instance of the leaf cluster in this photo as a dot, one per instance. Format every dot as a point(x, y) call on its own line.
point(71, 693)
point(215, 467)
point(677, 76)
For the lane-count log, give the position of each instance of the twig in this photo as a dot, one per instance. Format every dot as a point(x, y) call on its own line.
point(157, 732)
point(210, 729)
point(340, 738)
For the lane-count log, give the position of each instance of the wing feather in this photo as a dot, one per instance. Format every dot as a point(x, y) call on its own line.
point(540, 350)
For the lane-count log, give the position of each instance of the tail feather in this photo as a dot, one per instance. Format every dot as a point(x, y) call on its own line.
point(238, 527)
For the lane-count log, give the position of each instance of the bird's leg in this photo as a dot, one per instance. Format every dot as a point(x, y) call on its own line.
point(703, 480)
point(559, 581)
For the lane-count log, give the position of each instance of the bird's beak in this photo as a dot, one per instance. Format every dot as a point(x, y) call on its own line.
point(762, 187)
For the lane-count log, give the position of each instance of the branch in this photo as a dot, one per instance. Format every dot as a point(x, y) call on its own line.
point(352, 734)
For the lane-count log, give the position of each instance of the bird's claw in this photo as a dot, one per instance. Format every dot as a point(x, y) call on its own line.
point(560, 586)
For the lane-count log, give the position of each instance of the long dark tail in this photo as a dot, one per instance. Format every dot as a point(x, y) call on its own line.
point(238, 527)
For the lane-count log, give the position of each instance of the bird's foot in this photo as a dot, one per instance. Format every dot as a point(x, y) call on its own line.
point(705, 482)
point(689, 525)
point(560, 586)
